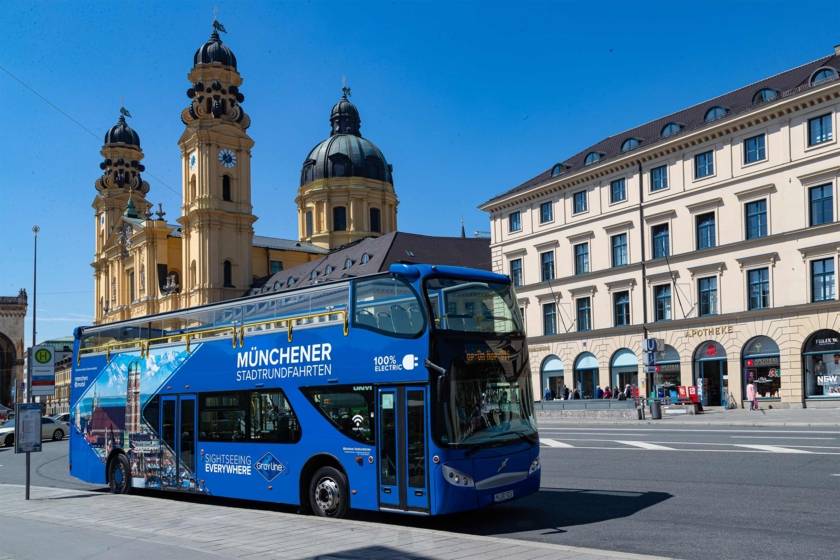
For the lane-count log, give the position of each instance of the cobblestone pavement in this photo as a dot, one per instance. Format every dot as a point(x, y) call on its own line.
point(80, 524)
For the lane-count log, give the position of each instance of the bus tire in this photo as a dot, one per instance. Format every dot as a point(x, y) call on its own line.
point(119, 475)
point(328, 493)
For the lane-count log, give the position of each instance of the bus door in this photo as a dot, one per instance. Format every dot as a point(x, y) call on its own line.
point(403, 463)
point(177, 460)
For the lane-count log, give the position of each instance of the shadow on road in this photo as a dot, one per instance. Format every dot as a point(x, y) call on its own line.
point(370, 553)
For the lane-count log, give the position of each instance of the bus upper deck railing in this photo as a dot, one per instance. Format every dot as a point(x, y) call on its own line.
point(236, 332)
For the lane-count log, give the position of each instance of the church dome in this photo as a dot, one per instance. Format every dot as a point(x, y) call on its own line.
point(121, 133)
point(214, 50)
point(345, 153)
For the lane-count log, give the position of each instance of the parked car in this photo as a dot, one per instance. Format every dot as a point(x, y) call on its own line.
point(63, 418)
point(50, 429)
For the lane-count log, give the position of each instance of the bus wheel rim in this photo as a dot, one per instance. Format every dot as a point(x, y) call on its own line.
point(327, 495)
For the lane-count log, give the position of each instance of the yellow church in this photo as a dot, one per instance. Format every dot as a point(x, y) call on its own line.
point(144, 264)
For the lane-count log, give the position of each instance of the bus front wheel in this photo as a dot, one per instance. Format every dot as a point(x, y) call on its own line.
point(328, 496)
point(119, 477)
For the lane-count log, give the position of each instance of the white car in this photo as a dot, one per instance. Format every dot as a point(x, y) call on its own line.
point(50, 429)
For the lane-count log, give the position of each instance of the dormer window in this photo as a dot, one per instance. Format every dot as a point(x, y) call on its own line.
point(329, 270)
point(715, 113)
point(557, 169)
point(591, 157)
point(630, 144)
point(365, 258)
point(823, 75)
point(348, 263)
point(313, 275)
point(670, 129)
point(764, 95)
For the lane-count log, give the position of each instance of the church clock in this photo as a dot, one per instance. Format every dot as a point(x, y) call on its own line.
point(227, 158)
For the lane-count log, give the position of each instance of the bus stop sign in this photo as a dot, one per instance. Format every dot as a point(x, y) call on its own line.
point(27, 428)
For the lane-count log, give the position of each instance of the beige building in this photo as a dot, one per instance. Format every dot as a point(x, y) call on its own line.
point(715, 229)
point(144, 264)
point(12, 315)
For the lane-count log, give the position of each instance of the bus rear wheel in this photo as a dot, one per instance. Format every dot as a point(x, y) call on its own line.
point(119, 477)
point(328, 496)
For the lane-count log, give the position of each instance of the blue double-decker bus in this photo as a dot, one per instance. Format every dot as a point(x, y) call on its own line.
point(406, 391)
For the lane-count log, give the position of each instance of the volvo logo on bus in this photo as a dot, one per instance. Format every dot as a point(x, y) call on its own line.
point(269, 467)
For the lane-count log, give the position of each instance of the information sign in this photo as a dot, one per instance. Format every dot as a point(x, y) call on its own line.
point(27, 428)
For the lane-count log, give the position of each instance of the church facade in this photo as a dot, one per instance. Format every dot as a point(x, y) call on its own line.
point(12, 314)
point(144, 264)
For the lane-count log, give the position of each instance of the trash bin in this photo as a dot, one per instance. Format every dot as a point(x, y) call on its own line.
point(656, 409)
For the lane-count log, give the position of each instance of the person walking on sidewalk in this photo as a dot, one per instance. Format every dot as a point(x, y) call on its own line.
point(751, 395)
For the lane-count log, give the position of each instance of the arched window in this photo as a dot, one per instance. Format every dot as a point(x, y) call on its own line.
point(591, 158)
point(585, 375)
point(375, 169)
point(308, 173)
point(192, 188)
point(226, 188)
point(823, 75)
point(309, 223)
point(552, 378)
point(557, 169)
point(629, 144)
point(339, 218)
point(193, 278)
point(228, 274)
point(715, 113)
point(764, 95)
point(710, 373)
point(375, 220)
point(670, 129)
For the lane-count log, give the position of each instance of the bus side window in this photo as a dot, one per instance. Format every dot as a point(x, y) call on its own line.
point(151, 414)
point(389, 305)
point(349, 408)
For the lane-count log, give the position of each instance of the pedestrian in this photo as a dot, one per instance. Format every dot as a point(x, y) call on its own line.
point(599, 393)
point(547, 394)
point(616, 392)
point(607, 392)
point(576, 395)
point(565, 393)
point(751, 396)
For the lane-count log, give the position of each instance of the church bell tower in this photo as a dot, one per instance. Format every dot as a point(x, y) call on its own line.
point(216, 218)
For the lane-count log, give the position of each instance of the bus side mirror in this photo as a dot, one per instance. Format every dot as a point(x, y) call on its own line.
point(441, 380)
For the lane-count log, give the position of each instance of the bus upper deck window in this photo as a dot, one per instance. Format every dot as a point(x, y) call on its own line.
point(389, 305)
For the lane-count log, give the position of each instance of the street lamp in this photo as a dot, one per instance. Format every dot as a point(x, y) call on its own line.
point(35, 230)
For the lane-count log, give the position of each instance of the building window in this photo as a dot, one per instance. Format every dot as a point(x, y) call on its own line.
point(823, 75)
point(579, 202)
point(756, 219)
point(704, 164)
point(819, 130)
point(754, 149)
point(706, 230)
point(584, 314)
point(275, 266)
point(557, 169)
point(670, 129)
point(130, 281)
point(662, 302)
point(621, 309)
point(309, 223)
point(516, 272)
point(619, 249)
point(375, 220)
point(707, 296)
point(515, 221)
point(591, 157)
point(659, 178)
point(758, 288)
point(547, 265)
point(629, 144)
point(764, 95)
point(661, 238)
point(339, 218)
point(546, 212)
point(618, 191)
point(715, 113)
point(822, 279)
point(581, 258)
point(821, 205)
point(226, 188)
point(549, 318)
point(227, 274)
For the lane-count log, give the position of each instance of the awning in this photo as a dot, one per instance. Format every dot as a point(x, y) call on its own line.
point(553, 364)
point(586, 360)
point(625, 358)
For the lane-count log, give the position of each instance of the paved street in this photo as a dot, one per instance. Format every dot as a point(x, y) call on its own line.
point(670, 490)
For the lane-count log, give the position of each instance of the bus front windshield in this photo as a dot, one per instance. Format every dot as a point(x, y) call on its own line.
point(473, 306)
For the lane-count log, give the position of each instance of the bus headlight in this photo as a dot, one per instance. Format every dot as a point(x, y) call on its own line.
point(457, 478)
point(535, 466)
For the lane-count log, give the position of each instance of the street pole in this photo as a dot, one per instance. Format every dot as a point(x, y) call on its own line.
point(29, 397)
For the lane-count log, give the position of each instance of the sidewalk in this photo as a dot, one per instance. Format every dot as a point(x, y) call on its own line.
point(72, 524)
point(787, 417)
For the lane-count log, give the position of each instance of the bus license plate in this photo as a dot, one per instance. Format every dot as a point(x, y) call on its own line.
point(503, 496)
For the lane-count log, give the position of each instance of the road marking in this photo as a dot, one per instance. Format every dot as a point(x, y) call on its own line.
point(646, 445)
point(781, 437)
point(554, 443)
point(772, 448)
point(838, 474)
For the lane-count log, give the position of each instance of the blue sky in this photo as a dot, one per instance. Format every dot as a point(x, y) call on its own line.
point(466, 99)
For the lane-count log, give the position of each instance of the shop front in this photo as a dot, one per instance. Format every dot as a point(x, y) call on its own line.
point(710, 374)
point(624, 369)
point(760, 364)
point(666, 378)
point(551, 377)
point(821, 365)
point(586, 375)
